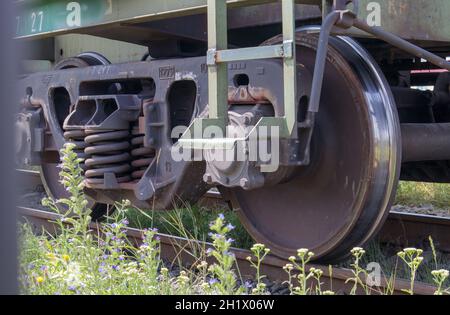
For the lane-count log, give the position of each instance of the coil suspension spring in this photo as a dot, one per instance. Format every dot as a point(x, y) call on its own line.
point(142, 156)
point(76, 137)
point(107, 152)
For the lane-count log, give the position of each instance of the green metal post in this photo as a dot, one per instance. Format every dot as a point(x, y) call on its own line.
point(290, 67)
point(218, 72)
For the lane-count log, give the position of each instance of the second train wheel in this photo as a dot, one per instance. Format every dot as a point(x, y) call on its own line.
point(343, 197)
point(50, 171)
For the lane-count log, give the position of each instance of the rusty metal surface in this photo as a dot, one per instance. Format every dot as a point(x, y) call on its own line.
point(417, 20)
point(173, 180)
point(335, 203)
point(176, 249)
point(414, 229)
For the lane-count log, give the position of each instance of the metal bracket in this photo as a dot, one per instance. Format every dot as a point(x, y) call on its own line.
point(217, 57)
point(213, 56)
point(30, 136)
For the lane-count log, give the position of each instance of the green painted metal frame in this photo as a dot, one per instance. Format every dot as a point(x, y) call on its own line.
point(217, 58)
point(420, 20)
point(48, 18)
point(219, 55)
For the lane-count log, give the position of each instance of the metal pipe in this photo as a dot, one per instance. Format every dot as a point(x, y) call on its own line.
point(319, 68)
point(398, 42)
point(426, 142)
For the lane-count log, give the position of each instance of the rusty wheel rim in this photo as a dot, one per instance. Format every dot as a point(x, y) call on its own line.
point(343, 198)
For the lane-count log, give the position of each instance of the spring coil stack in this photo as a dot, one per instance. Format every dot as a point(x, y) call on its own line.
point(111, 151)
point(142, 156)
point(76, 137)
point(108, 153)
point(108, 141)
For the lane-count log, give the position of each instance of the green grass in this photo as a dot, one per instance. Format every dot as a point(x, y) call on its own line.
point(190, 222)
point(386, 256)
point(413, 194)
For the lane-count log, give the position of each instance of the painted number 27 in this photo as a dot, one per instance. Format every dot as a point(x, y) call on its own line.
point(37, 19)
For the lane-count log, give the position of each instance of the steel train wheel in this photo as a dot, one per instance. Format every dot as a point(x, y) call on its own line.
point(343, 197)
point(50, 171)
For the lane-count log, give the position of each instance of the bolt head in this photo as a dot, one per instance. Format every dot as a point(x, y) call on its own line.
point(207, 178)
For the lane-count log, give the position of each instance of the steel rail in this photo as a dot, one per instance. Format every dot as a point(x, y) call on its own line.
point(175, 249)
point(402, 229)
point(410, 229)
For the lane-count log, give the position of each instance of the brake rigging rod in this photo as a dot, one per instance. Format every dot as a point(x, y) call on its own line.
point(398, 42)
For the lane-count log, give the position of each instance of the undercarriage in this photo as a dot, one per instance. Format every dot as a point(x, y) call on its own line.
point(323, 178)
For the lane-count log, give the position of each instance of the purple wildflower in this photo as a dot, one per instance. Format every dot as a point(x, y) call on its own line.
point(221, 216)
point(230, 227)
point(213, 235)
point(213, 281)
point(229, 254)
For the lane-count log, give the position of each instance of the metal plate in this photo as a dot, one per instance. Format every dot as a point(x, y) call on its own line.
point(421, 20)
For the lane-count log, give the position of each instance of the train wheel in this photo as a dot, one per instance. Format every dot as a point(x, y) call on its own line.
point(343, 197)
point(50, 171)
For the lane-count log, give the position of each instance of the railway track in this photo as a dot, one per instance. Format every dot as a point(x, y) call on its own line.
point(402, 229)
point(175, 249)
